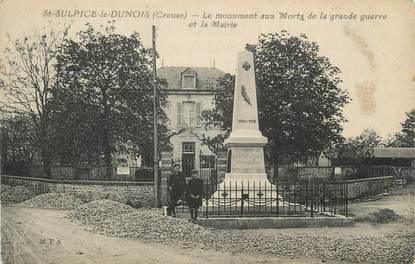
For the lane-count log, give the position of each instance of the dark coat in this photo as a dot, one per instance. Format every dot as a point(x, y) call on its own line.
point(176, 184)
point(195, 188)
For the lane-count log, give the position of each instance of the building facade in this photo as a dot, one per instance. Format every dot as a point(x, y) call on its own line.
point(190, 92)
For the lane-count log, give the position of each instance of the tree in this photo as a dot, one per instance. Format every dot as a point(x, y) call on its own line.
point(17, 151)
point(26, 84)
point(299, 98)
point(357, 150)
point(221, 115)
point(406, 137)
point(105, 94)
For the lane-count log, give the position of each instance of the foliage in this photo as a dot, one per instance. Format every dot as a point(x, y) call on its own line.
point(15, 142)
point(221, 115)
point(406, 137)
point(105, 99)
point(383, 216)
point(299, 98)
point(27, 81)
point(358, 149)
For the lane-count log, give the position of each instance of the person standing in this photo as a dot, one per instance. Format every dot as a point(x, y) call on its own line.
point(176, 185)
point(194, 193)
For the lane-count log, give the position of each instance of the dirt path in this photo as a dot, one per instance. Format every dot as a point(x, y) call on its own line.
point(45, 237)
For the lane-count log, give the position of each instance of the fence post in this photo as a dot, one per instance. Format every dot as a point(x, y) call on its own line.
point(278, 197)
point(312, 199)
point(166, 170)
point(347, 200)
point(242, 202)
point(206, 201)
point(324, 196)
point(222, 161)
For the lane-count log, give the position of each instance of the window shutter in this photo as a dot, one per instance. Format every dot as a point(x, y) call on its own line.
point(179, 113)
point(197, 114)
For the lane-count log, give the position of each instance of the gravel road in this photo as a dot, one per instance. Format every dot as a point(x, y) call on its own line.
point(366, 243)
point(131, 236)
point(44, 236)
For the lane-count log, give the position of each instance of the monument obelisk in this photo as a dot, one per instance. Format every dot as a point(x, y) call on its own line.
point(245, 142)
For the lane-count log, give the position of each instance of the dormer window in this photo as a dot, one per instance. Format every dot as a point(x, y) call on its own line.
point(189, 79)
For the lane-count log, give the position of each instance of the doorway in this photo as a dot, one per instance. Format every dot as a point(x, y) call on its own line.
point(188, 158)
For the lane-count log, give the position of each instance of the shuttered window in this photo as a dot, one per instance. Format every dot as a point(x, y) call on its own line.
point(188, 113)
point(179, 114)
point(197, 112)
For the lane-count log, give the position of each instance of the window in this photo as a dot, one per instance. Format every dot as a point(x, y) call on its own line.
point(188, 147)
point(188, 113)
point(188, 81)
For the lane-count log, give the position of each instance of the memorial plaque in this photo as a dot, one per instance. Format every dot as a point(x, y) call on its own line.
point(248, 159)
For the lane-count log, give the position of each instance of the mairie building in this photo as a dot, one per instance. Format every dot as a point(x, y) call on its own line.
point(190, 92)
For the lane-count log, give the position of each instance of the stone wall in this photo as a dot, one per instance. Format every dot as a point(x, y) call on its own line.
point(134, 193)
point(361, 187)
point(141, 193)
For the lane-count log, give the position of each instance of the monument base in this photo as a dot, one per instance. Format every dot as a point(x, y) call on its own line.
point(247, 190)
point(241, 177)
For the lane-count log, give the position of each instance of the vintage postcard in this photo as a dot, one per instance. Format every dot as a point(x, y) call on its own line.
point(195, 131)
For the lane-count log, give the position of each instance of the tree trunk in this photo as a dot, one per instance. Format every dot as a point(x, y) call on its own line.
point(107, 158)
point(275, 164)
point(47, 168)
point(107, 144)
point(148, 160)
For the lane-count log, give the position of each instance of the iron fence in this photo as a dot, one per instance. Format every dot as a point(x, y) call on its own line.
point(363, 172)
point(298, 173)
point(261, 199)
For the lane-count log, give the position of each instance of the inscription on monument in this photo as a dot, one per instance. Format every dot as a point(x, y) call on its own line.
point(252, 121)
point(247, 159)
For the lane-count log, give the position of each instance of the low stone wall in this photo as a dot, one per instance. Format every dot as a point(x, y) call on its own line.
point(134, 193)
point(142, 194)
point(361, 187)
point(276, 222)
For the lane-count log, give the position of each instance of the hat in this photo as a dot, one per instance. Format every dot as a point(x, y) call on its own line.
point(176, 165)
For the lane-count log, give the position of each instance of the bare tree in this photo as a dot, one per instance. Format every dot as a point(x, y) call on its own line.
point(27, 80)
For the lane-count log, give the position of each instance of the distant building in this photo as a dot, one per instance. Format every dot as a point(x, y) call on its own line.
point(190, 92)
point(404, 157)
point(398, 157)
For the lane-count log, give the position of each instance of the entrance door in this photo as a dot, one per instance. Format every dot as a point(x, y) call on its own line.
point(188, 158)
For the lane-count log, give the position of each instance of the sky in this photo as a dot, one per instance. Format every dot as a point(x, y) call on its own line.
point(376, 56)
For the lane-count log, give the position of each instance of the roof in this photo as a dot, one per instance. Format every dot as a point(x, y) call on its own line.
point(405, 153)
point(206, 76)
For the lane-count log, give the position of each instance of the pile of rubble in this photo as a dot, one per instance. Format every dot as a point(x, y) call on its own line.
point(53, 201)
point(5, 187)
point(98, 211)
point(16, 195)
point(151, 226)
point(120, 220)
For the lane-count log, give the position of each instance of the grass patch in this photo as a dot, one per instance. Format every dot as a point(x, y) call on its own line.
point(380, 216)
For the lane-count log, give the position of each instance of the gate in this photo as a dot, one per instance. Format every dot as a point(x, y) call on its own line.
point(208, 171)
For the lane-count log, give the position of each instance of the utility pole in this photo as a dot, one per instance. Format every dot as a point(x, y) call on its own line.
point(155, 121)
